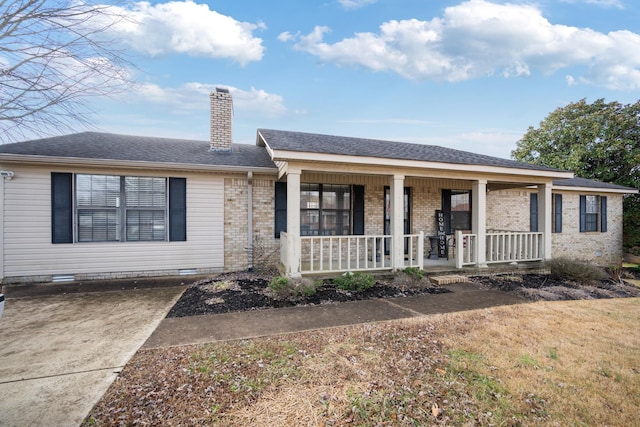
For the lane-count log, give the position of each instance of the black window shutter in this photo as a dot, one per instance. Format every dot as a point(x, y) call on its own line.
point(358, 210)
point(533, 212)
point(61, 207)
point(177, 209)
point(446, 208)
point(583, 213)
point(603, 214)
point(558, 213)
point(280, 209)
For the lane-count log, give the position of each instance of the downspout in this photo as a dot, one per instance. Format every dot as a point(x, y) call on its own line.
point(249, 220)
point(4, 175)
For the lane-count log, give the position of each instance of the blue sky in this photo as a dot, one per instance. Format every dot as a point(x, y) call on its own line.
point(471, 75)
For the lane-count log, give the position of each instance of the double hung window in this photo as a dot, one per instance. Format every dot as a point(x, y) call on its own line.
point(325, 210)
point(593, 213)
point(104, 203)
point(111, 208)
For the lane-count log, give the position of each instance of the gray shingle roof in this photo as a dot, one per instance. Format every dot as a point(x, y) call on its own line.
point(589, 183)
point(349, 146)
point(108, 146)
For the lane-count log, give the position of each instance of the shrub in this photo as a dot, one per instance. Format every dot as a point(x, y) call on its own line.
point(357, 281)
point(615, 273)
point(284, 288)
point(581, 272)
point(415, 273)
point(409, 278)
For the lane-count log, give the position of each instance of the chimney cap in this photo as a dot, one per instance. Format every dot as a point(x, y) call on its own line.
point(222, 90)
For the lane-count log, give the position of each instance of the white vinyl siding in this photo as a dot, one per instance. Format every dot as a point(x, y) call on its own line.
point(28, 250)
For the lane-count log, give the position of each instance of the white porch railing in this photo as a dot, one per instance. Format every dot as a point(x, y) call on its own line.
point(515, 246)
point(414, 248)
point(500, 247)
point(325, 254)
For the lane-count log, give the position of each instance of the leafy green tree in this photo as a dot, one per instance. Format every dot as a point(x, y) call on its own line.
point(598, 141)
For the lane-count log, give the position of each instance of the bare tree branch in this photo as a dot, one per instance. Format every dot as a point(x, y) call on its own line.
point(54, 55)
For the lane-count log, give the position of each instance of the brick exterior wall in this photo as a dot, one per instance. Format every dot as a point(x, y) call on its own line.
point(509, 210)
point(373, 209)
point(221, 119)
point(602, 249)
point(265, 251)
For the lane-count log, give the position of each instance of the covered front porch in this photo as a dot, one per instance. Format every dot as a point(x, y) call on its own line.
point(411, 211)
point(350, 204)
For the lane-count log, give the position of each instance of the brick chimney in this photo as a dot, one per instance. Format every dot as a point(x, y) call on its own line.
point(221, 120)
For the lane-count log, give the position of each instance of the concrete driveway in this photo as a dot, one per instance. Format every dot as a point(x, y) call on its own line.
point(59, 354)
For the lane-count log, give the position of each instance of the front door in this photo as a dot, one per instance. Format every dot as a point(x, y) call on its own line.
point(387, 217)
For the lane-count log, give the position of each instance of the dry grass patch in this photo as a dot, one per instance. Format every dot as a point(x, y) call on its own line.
point(545, 363)
point(574, 362)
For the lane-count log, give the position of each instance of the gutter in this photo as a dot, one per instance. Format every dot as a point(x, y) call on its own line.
point(595, 189)
point(132, 164)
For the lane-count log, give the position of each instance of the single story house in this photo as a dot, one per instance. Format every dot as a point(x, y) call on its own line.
point(97, 205)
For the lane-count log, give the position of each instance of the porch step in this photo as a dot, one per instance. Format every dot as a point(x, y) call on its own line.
point(449, 279)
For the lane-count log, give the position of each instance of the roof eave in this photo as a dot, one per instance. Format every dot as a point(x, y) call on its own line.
point(132, 164)
point(595, 189)
point(287, 155)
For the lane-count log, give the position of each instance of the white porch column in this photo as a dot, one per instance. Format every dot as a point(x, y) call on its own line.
point(294, 246)
point(479, 220)
point(396, 195)
point(544, 217)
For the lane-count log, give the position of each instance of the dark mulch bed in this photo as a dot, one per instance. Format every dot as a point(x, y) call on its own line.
point(545, 287)
point(227, 293)
point(243, 292)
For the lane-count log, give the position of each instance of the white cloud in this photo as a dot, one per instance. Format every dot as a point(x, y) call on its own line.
point(194, 96)
point(188, 28)
point(286, 36)
point(478, 38)
point(601, 3)
point(355, 4)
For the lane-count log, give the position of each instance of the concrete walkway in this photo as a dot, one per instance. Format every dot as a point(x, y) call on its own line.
point(60, 353)
point(252, 324)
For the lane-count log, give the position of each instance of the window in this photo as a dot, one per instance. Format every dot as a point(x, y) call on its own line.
point(325, 210)
point(456, 205)
point(110, 208)
point(593, 213)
